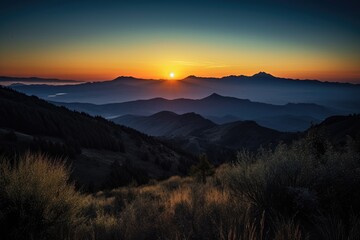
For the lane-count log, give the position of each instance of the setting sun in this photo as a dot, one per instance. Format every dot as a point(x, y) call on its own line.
point(172, 75)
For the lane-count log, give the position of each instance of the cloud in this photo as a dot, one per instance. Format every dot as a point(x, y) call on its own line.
point(56, 95)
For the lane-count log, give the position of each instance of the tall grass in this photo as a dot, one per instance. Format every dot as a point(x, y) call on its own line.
point(36, 200)
point(306, 190)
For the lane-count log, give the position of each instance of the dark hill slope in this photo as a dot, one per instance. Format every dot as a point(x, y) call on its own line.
point(97, 143)
point(197, 134)
point(339, 129)
point(166, 123)
point(244, 134)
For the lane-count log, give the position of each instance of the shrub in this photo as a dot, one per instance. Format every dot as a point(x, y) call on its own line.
point(203, 169)
point(36, 200)
point(297, 181)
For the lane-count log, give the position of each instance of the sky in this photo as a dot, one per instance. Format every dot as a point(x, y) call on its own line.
point(101, 40)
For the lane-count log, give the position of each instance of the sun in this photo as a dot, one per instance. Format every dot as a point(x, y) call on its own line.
point(172, 75)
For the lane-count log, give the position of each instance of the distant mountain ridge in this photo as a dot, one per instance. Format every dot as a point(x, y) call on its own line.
point(166, 123)
point(261, 87)
point(197, 134)
point(216, 106)
point(221, 141)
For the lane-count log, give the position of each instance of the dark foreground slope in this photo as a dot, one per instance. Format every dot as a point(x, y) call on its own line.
point(95, 144)
point(340, 131)
point(292, 192)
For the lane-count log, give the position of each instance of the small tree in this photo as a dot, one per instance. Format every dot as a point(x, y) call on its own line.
point(203, 169)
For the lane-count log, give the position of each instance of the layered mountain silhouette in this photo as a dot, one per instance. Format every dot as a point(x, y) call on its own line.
point(215, 107)
point(166, 123)
point(196, 134)
point(261, 87)
point(221, 141)
point(93, 143)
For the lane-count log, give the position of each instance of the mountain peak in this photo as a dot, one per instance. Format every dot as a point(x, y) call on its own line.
point(191, 76)
point(123, 77)
point(164, 114)
point(263, 75)
point(214, 96)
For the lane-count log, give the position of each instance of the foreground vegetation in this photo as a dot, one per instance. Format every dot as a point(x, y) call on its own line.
point(304, 191)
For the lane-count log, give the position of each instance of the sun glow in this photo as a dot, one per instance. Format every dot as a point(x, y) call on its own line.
point(172, 75)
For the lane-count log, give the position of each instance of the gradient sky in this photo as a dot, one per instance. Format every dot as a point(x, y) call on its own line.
point(99, 40)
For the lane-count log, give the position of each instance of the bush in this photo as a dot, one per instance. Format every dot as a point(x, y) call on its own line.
point(307, 190)
point(298, 181)
point(203, 169)
point(36, 200)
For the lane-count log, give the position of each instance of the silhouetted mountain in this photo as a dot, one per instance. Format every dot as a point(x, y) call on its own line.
point(243, 134)
point(287, 123)
point(221, 142)
point(196, 134)
point(92, 142)
point(223, 119)
point(261, 87)
point(262, 75)
point(339, 129)
point(166, 123)
point(215, 105)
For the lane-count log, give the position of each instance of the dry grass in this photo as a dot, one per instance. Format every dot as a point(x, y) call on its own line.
point(179, 196)
point(283, 194)
point(216, 196)
point(36, 199)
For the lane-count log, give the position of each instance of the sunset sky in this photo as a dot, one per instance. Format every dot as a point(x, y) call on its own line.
point(100, 40)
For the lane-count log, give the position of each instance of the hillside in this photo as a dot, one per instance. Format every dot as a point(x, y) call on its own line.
point(221, 142)
point(166, 123)
point(244, 134)
point(93, 143)
point(198, 134)
point(339, 129)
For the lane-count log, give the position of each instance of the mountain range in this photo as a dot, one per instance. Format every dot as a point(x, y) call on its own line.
point(196, 134)
point(166, 123)
point(261, 87)
point(96, 145)
point(220, 109)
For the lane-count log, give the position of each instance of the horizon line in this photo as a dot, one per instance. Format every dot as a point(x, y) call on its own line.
point(265, 74)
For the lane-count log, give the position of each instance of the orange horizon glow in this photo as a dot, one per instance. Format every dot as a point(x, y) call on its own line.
point(199, 56)
point(150, 61)
point(67, 62)
point(351, 77)
point(93, 42)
